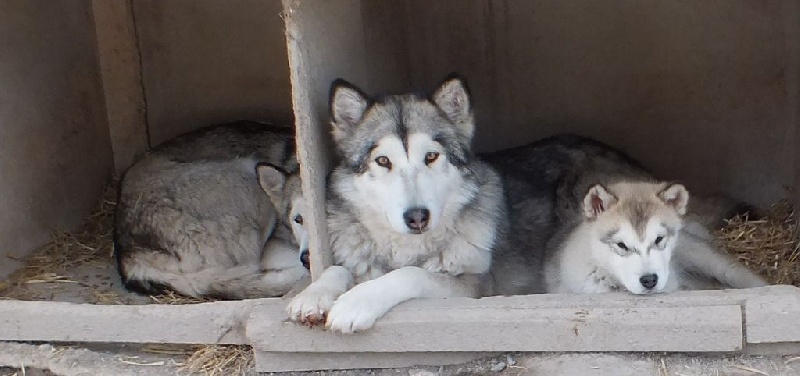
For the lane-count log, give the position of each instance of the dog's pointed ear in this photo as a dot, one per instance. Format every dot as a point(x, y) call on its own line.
point(271, 179)
point(676, 196)
point(453, 98)
point(597, 200)
point(348, 105)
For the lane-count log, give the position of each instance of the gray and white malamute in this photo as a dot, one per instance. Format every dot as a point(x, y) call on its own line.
point(197, 215)
point(588, 218)
point(411, 212)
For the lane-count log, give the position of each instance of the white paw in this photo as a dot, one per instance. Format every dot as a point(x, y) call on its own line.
point(311, 306)
point(353, 312)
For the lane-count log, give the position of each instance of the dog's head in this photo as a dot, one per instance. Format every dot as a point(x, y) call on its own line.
point(635, 227)
point(285, 193)
point(404, 155)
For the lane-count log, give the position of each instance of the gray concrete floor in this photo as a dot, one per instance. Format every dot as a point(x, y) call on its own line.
point(127, 360)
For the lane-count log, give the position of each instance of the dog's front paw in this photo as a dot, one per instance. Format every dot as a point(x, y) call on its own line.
point(353, 312)
point(311, 306)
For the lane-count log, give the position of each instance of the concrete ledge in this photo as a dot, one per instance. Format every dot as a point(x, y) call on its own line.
point(492, 329)
point(207, 323)
point(288, 362)
point(676, 322)
point(773, 319)
point(782, 348)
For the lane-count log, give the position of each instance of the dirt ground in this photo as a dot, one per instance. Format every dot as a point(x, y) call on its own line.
point(33, 359)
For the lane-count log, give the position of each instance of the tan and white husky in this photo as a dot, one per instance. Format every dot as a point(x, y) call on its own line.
point(636, 236)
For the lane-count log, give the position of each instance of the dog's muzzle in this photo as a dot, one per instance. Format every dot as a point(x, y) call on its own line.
point(649, 281)
point(417, 219)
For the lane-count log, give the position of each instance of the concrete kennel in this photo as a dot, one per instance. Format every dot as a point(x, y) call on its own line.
point(705, 92)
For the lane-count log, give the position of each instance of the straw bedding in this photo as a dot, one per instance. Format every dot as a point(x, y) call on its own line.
point(79, 266)
point(768, 245)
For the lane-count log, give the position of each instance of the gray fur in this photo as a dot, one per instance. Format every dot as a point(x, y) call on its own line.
point(546, 183)
point(191, 216)
point(370, 254)
point(389, 265)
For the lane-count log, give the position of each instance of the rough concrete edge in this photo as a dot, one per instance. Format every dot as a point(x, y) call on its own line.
point(778, 348)
point(772, 319)
point(20, 317)
point(293, 362)
point(205, 323)
point(71, 361)
point(677, 329)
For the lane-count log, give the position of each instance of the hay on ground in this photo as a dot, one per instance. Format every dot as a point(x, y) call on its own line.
point(767, 245)
point(219, 360)
point(91, 245)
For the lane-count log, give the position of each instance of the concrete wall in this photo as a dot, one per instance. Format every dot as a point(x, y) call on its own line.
point(55, 154)
point(698, 91)
point(703, 92)
point(121, 69)
point(209, 61)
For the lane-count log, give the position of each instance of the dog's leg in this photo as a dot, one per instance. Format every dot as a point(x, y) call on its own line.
point(312, 304)
point(358, 308)
point(699, 256)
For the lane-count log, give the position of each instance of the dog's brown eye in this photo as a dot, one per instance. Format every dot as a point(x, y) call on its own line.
point(431, 157)
point(383, 161)
point(298, 219)
point(622, 245)
point(659, 240)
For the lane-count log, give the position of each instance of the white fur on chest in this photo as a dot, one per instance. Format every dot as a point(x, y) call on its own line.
point(462, 247)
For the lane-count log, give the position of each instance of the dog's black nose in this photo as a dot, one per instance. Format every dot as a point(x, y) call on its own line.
point(304, 259)
point(649, 280)
point(417, 218)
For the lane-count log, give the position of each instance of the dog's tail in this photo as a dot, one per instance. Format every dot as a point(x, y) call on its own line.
point(238, 282)
point(698, 256)
point(249, 282)
point(713, 210)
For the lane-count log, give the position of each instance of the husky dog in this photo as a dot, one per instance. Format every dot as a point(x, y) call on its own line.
point(626, 240)
point(411, 212)
point(285, 191)
point(193, 218)
point(606, 224)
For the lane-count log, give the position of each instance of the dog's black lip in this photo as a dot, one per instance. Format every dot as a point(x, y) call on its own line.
point(305, 259)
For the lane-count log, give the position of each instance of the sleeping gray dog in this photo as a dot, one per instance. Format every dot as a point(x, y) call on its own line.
point(207, 214)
